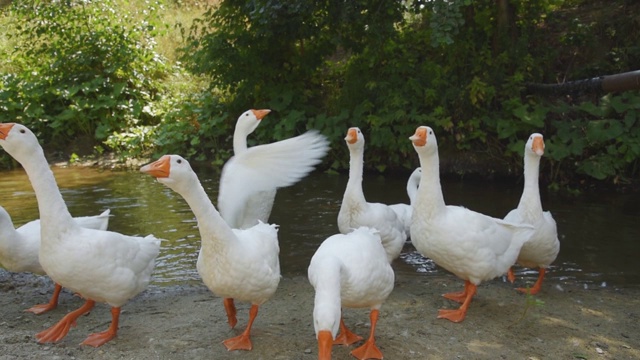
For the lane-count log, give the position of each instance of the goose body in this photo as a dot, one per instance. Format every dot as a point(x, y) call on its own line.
point(355, 211)
point(240, 264)
point(543, 247)
point(302, 152)
point(349, 270)
point(19, 248)
point(101, 266)
point(404, 211)
point(471, 245)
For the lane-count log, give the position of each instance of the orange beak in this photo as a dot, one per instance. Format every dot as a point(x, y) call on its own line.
point(160, 168)
point(352, 136)
point(419, 138)
point(4, 130)
point(260, 114)
point(325, 342)
point(538, 145)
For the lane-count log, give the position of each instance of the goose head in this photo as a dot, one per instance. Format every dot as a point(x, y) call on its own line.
point(18, 141)
point(354, 138)
point(250, 119)
point(424, 140)
point(415, 176)
point(535, 145)
point(5, 219)
point(173, 171)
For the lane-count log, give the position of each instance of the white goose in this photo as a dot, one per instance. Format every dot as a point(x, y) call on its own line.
point(351, 271)
point(355, 211)
point(404, 211)
point(19, 248)
point(543, 247)
point(258, 206)
point(473, 246)
point(101, 266)
point(233, 264)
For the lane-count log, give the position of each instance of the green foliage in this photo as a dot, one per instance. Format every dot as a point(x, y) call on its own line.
point(602, 142)
point(88, 68)
point(275, 55)
point(81, 68)
point(387, 67)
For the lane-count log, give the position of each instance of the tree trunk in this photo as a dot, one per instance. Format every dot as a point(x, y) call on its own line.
point(603, 84)
point(505, 33)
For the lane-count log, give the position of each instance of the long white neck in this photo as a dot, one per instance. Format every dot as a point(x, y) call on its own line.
point(239, 140)
point(54, 214)
point(429, 194)
point(412, 188)
point(530, 205)
point(353, 194)
point(327, 304)
point(214, 231)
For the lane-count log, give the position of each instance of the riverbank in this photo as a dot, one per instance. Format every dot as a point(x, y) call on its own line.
point(564, 321)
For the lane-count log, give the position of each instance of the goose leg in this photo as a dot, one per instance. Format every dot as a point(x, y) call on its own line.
point(369, 350)
point(459, 314)
point(58, 331)
point(537, 286)
point(461, 296)
point(100, 338)
point(345, 336)
point(243, 341)
point(511, 276)
point(52, 304)
point(230, 307)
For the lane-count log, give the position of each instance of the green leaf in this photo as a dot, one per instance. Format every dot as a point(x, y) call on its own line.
point(117, 88)
point(604, 130)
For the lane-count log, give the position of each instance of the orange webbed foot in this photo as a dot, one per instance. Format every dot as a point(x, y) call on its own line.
point(241, 342)
point(55, 333)
point(52, 304)
point(368, 350)
point(537, 286)
point(458, 297)
point(58, 331)
point(345, 336)
point(452, 315)
point(41, 308)
point(98, 339)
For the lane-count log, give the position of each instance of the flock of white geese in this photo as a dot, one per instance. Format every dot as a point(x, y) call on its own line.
point(238, 259)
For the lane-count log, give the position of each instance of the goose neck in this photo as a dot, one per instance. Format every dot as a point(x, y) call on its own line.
point(531, 193)
point(209, 220)
point(429, 194)
point(353, 191)
point(54, 214)
point(239, 141)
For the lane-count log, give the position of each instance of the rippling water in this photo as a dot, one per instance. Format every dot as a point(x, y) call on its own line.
point(598, 232)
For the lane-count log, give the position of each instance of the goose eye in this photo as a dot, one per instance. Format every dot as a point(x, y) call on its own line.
point(246, 114)
point(179, 161)
point(430, 132)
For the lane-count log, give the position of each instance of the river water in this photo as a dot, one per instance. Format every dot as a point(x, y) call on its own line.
point(599, 232)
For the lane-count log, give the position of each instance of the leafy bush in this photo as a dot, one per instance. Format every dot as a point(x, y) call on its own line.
point(83, 68)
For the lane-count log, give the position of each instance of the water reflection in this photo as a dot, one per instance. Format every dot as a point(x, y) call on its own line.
point(598, 232)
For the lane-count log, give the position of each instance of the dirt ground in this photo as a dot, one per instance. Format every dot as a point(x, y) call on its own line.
point(563, 321)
